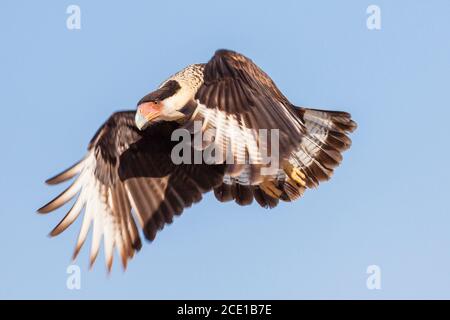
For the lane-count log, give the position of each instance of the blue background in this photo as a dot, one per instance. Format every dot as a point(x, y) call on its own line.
point(386, 205)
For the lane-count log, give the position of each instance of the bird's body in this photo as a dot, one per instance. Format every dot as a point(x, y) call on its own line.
point(130, 165)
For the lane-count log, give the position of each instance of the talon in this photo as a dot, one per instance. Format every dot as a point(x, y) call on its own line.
point(295, 174)
point(270, 189)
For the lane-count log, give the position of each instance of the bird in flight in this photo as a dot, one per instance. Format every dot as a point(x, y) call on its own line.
point(129, 177)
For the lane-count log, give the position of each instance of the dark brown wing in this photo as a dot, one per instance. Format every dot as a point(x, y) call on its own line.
point(147, 162)
point(128, 169)
point(237, 99)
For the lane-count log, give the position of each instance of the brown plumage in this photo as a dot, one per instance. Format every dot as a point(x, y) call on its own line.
point(128, 166)
point(127, 169)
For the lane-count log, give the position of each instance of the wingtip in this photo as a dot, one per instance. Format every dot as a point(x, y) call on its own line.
point(67, 174)
point(54, 232)
point(41, 210)
point(53, 180)
point(109, 265)
point(124, 264)
point(137, 245)
point(353, 125)
point(76, 252)
point(47, 208)
point(92, 258)
point(50, 182)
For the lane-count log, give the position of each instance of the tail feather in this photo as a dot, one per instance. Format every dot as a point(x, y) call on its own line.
point(338, 121)
point(315, 157)
point(320, 151)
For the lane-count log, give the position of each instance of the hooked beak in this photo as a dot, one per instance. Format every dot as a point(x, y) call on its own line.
point(146, 112)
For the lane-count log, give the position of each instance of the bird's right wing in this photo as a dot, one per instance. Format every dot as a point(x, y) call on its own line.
point(238, 107)
point(127, 169)
point(242, 112)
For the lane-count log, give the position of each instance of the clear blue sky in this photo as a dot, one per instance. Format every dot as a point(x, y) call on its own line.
point(386, 205)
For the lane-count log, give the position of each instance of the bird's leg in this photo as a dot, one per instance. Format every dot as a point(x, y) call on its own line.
point(295, 174)
point(270, 189)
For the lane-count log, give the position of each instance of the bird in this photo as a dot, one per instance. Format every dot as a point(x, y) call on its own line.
point(128, 177)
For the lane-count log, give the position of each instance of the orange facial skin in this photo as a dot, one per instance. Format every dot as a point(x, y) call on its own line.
point(150, 110)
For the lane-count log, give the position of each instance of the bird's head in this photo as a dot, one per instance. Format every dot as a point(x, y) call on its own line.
point(159, 105)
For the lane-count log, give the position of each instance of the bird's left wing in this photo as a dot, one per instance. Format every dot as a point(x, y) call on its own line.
point(124, 170)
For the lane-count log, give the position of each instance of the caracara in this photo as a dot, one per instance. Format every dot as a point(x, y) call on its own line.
point(130, 167)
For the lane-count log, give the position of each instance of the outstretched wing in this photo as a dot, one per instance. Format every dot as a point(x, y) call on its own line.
point(236, 100)
point(127, 169)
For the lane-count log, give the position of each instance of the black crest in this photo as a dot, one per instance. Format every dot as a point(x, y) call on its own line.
point(167, 90)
